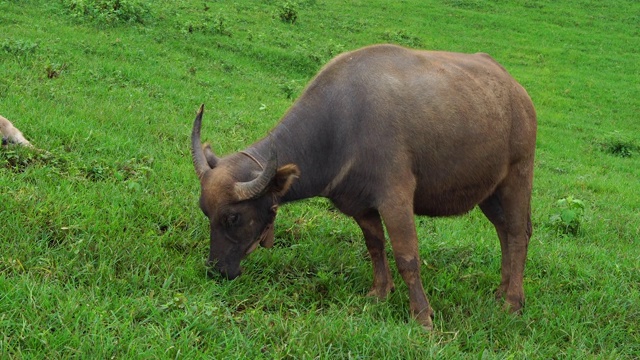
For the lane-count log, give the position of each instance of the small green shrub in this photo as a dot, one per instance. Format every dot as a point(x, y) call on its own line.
point(108, 11)
point(177, 302)
point(220, 25)
point(570, 216)
point(132, 171)
point(17, 159)
point(401, 37)
point(288, 12)
point(217, 25)
point(618, 144)
point(468, 4)
point(18, 47)
point(290, 89)
point(54, 69)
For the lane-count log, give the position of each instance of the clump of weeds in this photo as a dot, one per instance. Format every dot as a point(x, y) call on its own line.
point(288, 12)
point(569, 216)
point(108, 12)
point(618, 144)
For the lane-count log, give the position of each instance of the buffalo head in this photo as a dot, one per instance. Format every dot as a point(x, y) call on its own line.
point(240, 197)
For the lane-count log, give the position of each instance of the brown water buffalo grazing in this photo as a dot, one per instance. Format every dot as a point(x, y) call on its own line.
point(385, 132)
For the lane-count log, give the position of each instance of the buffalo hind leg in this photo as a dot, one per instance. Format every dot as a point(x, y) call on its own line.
point(492, 209)
point(399, 219)
point(373, 232)
point(509, 211)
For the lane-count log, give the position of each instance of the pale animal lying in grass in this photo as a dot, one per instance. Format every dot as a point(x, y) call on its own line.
point(11, 134)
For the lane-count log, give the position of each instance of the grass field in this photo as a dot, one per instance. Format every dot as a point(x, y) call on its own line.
point(103, 246)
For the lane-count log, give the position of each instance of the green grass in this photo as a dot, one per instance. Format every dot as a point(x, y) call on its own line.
point(102, 244)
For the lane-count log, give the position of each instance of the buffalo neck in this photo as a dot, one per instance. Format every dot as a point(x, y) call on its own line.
point(303, 137)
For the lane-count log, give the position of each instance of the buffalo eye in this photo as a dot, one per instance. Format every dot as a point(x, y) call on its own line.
point(231, 220)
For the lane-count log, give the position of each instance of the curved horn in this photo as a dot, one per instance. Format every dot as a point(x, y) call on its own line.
point(199, 159)
point(254, 188)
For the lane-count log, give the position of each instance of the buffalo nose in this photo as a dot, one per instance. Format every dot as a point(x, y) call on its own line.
point(231, 276)
point(217, 273)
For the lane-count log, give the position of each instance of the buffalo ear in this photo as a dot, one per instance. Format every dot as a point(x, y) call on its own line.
point(212, 160)
point(285, 175)
point(267, 240)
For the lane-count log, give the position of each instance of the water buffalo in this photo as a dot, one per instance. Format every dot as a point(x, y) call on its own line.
point(385, 132)
point(11, 134)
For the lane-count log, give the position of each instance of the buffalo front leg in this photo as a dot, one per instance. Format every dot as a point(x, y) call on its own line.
point(373, 232)
point(404, 241)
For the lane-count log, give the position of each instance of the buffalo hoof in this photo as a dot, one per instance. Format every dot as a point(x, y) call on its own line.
point(380, 292)
point(514, 305)
point(511, 303)
point(425, 319)
point(500, 294)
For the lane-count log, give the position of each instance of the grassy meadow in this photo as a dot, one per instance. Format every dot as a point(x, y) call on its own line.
point(103, 246)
